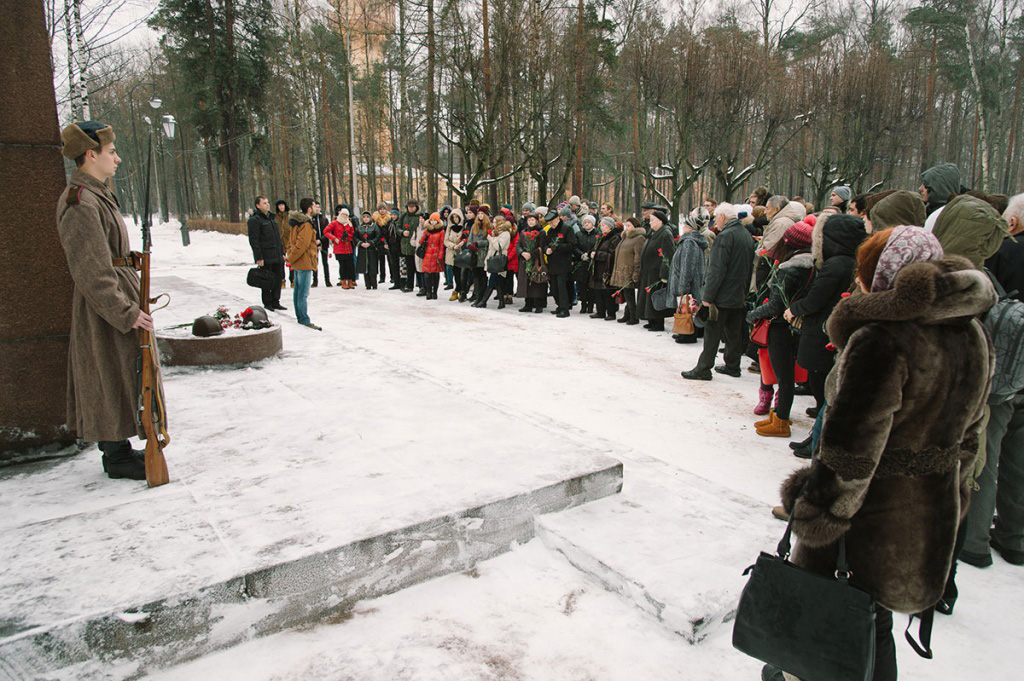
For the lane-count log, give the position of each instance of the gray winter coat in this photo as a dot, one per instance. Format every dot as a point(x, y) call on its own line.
point(686, 277)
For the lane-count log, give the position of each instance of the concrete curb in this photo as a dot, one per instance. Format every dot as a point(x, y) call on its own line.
point(318, 588)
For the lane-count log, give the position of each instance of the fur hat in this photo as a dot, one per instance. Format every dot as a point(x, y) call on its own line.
point(474, 201)
point(412, 202)
point(78, 138)
point(798, 236)
point(905, 245)
point(610, 222)
point(694, 222)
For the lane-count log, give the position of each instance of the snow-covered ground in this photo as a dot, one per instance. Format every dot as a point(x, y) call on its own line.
point(537, 391)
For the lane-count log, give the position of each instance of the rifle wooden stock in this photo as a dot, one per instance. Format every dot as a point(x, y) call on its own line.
point(151, 406)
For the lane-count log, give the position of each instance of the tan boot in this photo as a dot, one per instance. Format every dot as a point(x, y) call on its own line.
point(778, 429)
point(766, 422)
point(455, 296)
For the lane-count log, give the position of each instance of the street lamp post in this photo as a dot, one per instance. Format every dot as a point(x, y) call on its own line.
point(170, 125)
point(137, 170)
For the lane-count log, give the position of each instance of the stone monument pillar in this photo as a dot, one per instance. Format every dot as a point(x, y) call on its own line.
point(35, 285)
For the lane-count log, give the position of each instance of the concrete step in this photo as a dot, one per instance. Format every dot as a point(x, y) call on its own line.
point(661, 546)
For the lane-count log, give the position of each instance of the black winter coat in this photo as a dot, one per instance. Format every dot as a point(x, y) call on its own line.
point(264, 238)
point(789, 283)
point(583, 242)
point(655, 262)
point(604, 258)
point(730, 267)
point(369, 233)
point(319, 223)
point(559, 240)
point(834, 246)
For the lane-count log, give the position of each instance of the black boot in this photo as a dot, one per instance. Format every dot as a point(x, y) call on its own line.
point(484, 298)
point(462, 297)
point(501, 302)
point(121, 461)
point(526, 308)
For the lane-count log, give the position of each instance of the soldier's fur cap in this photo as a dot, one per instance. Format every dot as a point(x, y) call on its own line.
point(79, 138)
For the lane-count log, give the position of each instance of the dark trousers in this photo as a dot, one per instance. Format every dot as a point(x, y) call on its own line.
point(410, 271)
point(603, 301)
point(325, 256)
point(728, 326)
point(393, 264)
point(885, 647)
point(816, 382)
point(509, 283)
point(370, 275)
point(272, 293)
point(382, 259)
point(630, 295)
point(479, 283)
point(782, 344)
point(463, 278)
point(560, 290)
point(585, 292)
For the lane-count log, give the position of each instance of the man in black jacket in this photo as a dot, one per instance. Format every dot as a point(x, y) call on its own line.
point(267, 251)
point(319, 223)
point(725, 292)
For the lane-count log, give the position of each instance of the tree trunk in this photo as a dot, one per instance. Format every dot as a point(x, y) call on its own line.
point(982, 117)
point(431, 168)
point(83, 62)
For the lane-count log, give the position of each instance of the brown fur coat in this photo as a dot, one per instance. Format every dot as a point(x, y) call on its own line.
point(905, 408)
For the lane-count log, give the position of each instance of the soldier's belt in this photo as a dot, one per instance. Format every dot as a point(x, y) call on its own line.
point(134, 260)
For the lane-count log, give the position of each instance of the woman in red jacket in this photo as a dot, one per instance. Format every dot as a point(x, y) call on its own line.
point(342, 234)
point(433, 260)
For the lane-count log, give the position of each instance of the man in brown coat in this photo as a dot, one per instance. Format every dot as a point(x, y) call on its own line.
point(103, 350)
point(302, 258)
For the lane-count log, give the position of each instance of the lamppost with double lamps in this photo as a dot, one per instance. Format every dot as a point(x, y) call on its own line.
point(170, 125)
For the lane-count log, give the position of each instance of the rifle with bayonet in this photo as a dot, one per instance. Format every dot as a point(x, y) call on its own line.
point(151, 414)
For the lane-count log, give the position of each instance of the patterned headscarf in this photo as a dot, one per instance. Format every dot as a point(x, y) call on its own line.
point(905, 245)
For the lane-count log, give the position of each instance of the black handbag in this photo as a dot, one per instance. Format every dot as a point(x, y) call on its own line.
point(260, 277)
point(497, 263)
point(421, 250)
point(814, 627)
point(464, 258)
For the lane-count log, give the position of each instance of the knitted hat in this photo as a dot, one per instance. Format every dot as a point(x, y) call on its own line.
point(79, 138)
point(435, 217)
point(905, 245)
point(574, 201)
point(811, 219)
point(367, 213)
point(798, 236)
point(695, 222)
point(394, 211)
point(843, 192)
point(589, 217)
point(529, 207)
point(610, 222)
point(564, 211)
point(485, 209)
point(507, 212)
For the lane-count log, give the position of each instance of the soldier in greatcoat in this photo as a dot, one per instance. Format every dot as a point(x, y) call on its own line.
point(105, 313)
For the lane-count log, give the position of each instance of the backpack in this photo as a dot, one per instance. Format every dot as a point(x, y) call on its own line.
point(1005, 324)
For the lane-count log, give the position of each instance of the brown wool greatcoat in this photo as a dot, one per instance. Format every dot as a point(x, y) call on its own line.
point(905, 408)
point(103, 349)
point(626, 268)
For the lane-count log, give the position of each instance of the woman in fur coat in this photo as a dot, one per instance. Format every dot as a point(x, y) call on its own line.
point(904, 410)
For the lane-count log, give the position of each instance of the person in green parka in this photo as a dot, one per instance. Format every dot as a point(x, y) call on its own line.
point(407, 225)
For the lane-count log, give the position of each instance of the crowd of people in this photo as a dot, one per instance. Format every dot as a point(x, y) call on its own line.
point(873, 305)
